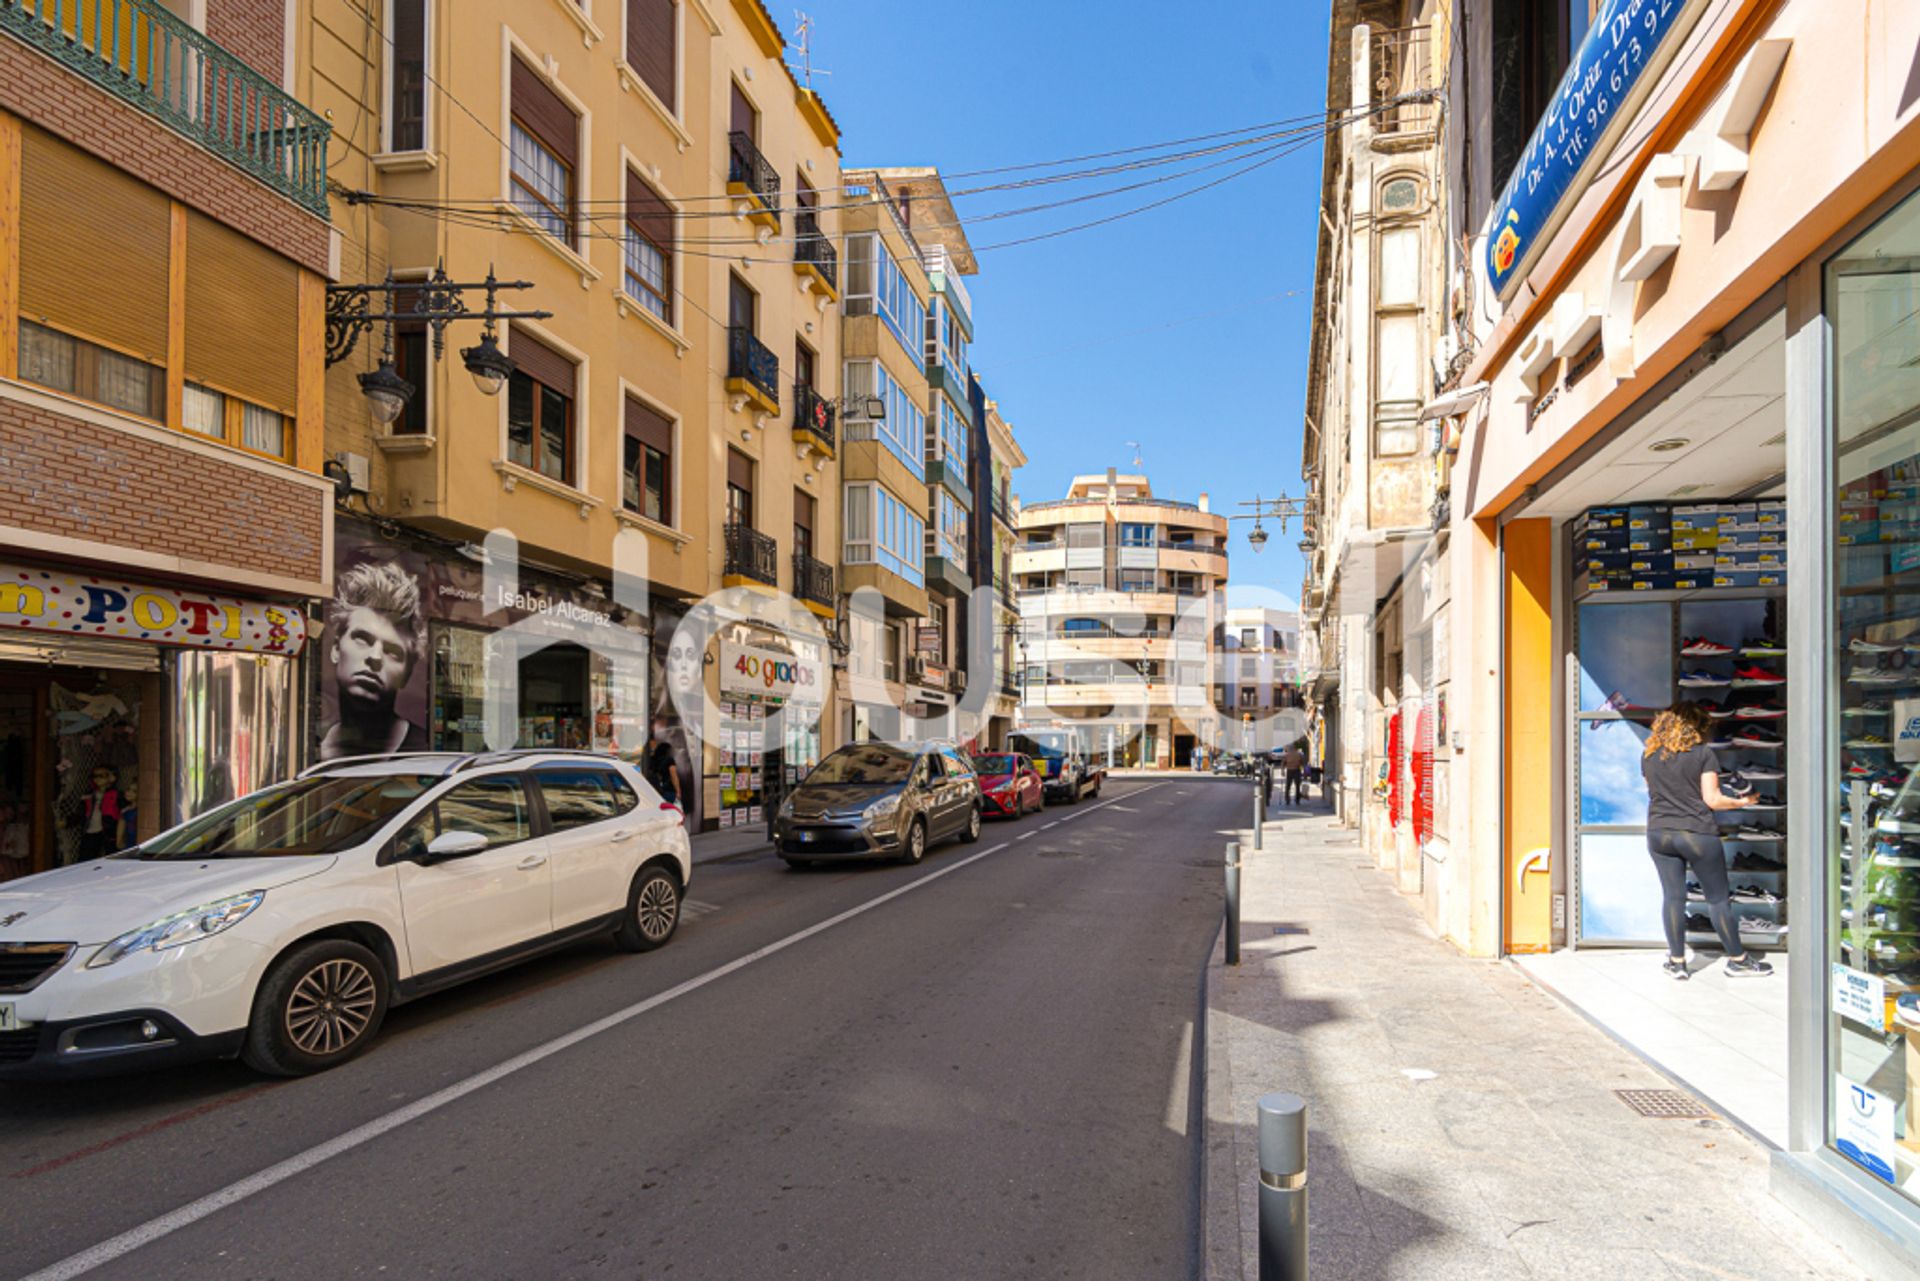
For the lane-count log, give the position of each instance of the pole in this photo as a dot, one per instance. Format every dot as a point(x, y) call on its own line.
point(1283, 1187)
point(1259, 807)
point(1233, 902)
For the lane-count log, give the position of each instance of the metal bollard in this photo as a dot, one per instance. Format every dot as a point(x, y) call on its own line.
point(1233, 902)
point(1259, 812)
point(1283, 1187)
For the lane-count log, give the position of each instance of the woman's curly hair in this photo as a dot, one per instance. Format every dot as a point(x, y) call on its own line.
point(1680, 728)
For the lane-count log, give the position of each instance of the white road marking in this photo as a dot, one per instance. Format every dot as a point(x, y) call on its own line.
point(1024, 836)
point(1054, 824)
point(118, 1247)
point(1177, 1093)
point(165, 1225)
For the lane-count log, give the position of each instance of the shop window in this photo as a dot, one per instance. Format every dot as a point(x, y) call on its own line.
point(459, 689)
point(543, 153)
point(64, 363)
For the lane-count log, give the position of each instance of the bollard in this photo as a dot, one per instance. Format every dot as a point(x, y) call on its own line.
point(1233, 902)
point(1259, 812)
point(1283, 1187)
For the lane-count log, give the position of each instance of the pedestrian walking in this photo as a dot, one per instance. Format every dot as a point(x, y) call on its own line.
point(661, 769)
point(1293, 764)
point(1683, 835)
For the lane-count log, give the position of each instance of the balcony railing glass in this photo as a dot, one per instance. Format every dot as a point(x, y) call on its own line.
point(143, 55)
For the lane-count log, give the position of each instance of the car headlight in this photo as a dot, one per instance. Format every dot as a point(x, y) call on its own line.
point(786, 807)
point(181, 928)
point(883, 808)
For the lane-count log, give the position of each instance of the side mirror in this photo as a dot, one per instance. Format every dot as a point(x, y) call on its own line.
point(450, 845)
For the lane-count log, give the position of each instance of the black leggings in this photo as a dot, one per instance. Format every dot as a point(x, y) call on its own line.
point(1674, 855)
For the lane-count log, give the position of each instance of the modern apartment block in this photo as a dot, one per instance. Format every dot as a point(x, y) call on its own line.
point(1120, 592)
point(657, 175)
point(1259, 657)
point(996, 456)
point(164, 243)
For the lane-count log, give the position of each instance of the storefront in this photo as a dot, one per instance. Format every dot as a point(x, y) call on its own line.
point(766, 726)
point(128, 705)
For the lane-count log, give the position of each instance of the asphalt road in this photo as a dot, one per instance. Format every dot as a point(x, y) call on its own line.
point(980, 1067)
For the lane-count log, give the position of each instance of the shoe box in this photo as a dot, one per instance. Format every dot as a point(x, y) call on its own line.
point(1696, 545)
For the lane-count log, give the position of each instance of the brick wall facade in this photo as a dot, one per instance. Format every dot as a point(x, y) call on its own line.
point(254, 30)
point(75, 478)
point(38, 89)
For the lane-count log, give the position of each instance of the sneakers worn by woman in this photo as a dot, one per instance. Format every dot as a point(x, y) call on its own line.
point(1748, 967)
point(1678, 969)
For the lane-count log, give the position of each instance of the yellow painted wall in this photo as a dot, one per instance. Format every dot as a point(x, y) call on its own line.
point(1527, 674)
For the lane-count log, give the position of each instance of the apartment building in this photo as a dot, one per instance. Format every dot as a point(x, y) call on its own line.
point(1120, 591)
point(164, 243)
point(1376, 582)
point(1259, 655)
point(996, 456)
point(655, 173)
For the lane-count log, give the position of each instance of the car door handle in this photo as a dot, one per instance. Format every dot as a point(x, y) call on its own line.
point(626, 834)
point(532, 862)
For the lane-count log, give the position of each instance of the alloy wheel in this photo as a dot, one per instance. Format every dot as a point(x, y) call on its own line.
point(330, 1007)
point(657, 908)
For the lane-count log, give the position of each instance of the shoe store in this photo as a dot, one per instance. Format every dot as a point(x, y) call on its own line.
point(1686, 509)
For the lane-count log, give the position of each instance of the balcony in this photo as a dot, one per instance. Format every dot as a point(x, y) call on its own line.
point(814, 258)
point(753, 558)
point(1401, 68)
point(754, 181)
point(812, 420)
point(1003, 512)
point(753, 372)
point(945, 472)
point(813, 584)
point(143, 55)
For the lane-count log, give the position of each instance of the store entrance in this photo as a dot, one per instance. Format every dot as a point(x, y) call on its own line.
point(555, 708)
point(73, 761)
point(1671, 540)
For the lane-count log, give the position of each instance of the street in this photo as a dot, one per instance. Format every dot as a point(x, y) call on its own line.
point(977, 1067)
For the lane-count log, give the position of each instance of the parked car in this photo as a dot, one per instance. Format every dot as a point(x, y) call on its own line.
point(1065, 769)
point(282, 926)
point(1009, 785)
point(879, 800)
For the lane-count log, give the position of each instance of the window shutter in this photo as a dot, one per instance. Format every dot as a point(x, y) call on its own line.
point(650, 45)
point(649, 428)
point(649, 211)
point(544, 115)
point(94, 247)
point(803, 510)
point(739, 470)
point(242, 304)
point(741, 116)
point(541, 362)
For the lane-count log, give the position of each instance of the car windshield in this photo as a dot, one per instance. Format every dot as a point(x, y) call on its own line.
point(993, 764)
point(865, 763)
point(1053, 747)
point(319, 815)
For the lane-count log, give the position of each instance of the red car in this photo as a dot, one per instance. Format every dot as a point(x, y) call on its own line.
point(1009, 785)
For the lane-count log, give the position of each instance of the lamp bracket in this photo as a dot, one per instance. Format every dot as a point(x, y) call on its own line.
point(438, 300)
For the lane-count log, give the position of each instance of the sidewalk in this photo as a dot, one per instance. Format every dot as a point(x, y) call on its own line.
point(1462, 1121)
point(711, 847)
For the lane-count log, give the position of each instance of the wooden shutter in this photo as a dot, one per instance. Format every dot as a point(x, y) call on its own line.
point(742, 303)
point(541, 362)
point(739, 470)
point(649, 428)
point(544, 115)
point(803, 510)
point(650, 45)
point(744, 118)
point(242, 305)
point(650, 213)
point(94, 246)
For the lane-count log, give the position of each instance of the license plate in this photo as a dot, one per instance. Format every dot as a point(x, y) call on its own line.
point(804, 835)
point(9, 1021)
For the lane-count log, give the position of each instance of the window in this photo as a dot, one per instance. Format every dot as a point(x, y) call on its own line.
point(495, 808)
point(1249, 669)
point(1529, 53)
point(647, 476)
point(1249, 637)
point(652, 27)
point(890, 652)
point(64, 363)
point(540, 409)
point(882, 530)
point(410, 360)
point(1086, 534)
point(739, 488)
point(953, 437)
point(878, 285)
point(902, 429)
point(407, 76)
point(951, 535)
point(1400, 372)
point(1136, 536)
point(803, 516)
point(1136, 580)
point(577, 797)
point(209, 413)
point(649, 249)
point(262, 430)
point(544, 150)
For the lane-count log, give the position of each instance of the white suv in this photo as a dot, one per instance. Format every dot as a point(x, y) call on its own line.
point(281, 926)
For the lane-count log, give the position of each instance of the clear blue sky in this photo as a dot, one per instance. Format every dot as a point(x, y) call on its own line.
point(1184, 328)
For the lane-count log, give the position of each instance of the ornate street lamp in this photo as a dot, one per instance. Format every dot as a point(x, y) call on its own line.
point(1281, 509)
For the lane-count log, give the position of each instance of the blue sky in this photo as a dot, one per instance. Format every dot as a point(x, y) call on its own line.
point(1184, 328)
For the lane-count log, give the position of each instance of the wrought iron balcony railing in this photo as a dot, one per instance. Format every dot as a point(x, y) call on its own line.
point(813, 414)
point(812, 579)
point(143, 55)
point(1402, 67)
point(752, 554)
point(750, 359)
point(746, 166)
point(812, 247)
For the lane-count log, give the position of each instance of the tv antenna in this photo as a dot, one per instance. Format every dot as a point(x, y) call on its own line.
point(803, 44)
point(1134, 445)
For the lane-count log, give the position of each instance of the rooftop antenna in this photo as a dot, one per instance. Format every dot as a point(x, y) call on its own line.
point(1134, 445)
point(803, 43)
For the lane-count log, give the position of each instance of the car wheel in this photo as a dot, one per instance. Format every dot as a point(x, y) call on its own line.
point(319, 1006)
point(1073, 792)
point(915, 847)
point(653, 911)
point(971, 832)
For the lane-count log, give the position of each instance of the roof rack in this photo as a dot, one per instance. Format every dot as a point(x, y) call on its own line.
point(477, 759)
point(371, 758)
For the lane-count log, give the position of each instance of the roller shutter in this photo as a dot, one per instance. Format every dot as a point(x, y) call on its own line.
point(242, 315)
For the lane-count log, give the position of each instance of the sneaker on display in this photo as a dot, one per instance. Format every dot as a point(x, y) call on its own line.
point(1872, 707)
point(1745, 862)
point(1753, 832)
point(1861, 645)
point(1859, 769)
point(1766, 804)
point(1748, 967)
point(1761, 925)
point(1762, 773)
point(1759, 712)
point(1861, 742)
point(1754, 894)
point(1701, 647)
point(1698, 679)
point(1698, 924)
point(1876, 676)
point(1757, 676)
point(1762, 647)
point(1720, 744)
point(1734, 783)
point(1756, 737)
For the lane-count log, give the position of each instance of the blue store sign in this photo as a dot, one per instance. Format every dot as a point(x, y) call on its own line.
point(1625, 49)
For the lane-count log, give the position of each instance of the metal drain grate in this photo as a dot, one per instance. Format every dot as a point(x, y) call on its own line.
point(1664, 1103)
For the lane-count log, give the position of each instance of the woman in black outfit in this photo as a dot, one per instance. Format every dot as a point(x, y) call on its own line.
point(1683, 794)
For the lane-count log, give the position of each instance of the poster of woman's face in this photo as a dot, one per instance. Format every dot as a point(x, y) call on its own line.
point(676, 667)
point(374, 678)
